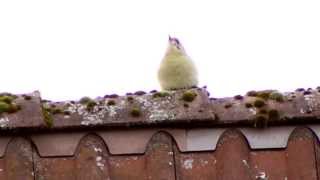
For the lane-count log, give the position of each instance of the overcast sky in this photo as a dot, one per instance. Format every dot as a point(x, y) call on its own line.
point(71, 48)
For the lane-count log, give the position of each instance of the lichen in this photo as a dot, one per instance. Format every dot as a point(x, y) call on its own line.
point(189, 96)
point(4, 122)
point(188, 164)
point(158, 109)
point(97, 113)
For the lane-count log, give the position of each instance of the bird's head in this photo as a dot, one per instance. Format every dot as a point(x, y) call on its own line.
point(175, 46)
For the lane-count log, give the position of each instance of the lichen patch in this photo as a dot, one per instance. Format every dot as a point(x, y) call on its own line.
point(4, 122)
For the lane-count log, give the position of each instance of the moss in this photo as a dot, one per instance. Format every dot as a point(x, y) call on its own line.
point(111, 103)
point(130, 98)
point(248, 105)
point(260, 121)
point(9, 94)
point(113, 96)
point(252, 93)
point(4, 107)
point(27, 97)
point(258, 103)
point(85, 100)
point(139, 93)
point(307, 92)
point(14, 108)
point(67, 113)
point(7, 99)
point(273, 114)
point(262, 111)
point(153, 91)
point(264, 94)
point(238, 97)
point(47, 117)
point(228, 105)
point(300, 89)
point(189, 96)
point(56, 111)
point(160, 94)
point(135, 112)
point(277, 97)
point(90, 105)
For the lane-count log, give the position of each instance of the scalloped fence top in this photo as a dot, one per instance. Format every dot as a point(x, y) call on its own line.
point(181, 134)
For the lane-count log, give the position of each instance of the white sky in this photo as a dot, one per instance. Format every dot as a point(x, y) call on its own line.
point(71, 48)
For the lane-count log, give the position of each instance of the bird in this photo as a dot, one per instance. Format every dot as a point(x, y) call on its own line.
point(177, 70)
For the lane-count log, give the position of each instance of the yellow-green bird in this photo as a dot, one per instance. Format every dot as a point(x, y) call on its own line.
point(177, 70)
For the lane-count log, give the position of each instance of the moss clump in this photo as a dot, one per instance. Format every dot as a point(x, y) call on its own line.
point(7, 99)
point(307, 92)
point(47, 116)
point(264, 94)
point(273, 114)
point(238, 97)
point(7, 105)
point(135, 112)
point(130, 98)
point(160, 94)
point(139, 93)
point(228, 105)
point(189, 96)
point(276, 96)
point(88, 102)
point(27, 97)
point(90, 105)
point(85, 100)
point(111, 103)
point(248, 105)
point(56, 110)
point(13, 108)
point(260, 121)
point(252, 93)
point(4, 107)
point(300, 89)
point(262, 111)
point(258, 103)
point(67, 113)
